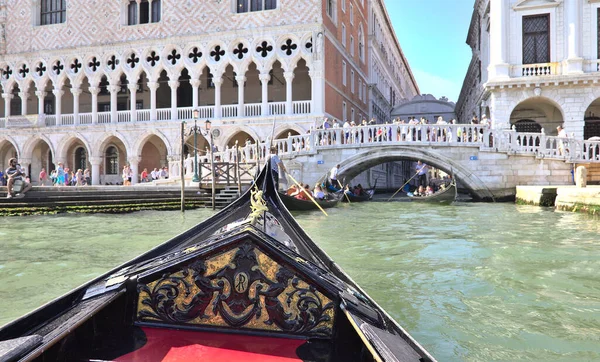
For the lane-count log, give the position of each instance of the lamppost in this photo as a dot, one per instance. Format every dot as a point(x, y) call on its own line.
point(207, 129)
point(195, 130)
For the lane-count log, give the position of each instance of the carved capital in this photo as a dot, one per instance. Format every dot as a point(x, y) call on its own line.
point(96, 161)
point(94, 90)
point(23, 95)
point(265, 78)
point(152, 85)
point(218, 81)
point(195, 83)
point(134, 160)
point(7, 96)
point(41, 94)
point(173, 84)
point(289, 76)
point(76, 92)
point(114, 89)
point(132, 87)
point(240, 79)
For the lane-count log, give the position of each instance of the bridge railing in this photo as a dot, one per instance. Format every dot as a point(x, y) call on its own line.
point(509, 141)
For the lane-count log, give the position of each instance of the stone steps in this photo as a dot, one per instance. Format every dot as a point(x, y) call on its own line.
point(109, 199)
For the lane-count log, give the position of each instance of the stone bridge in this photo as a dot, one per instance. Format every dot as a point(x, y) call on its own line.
point(489, 163)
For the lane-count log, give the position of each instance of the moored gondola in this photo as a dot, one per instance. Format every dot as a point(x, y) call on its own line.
point(246, 284)
point(445, 196)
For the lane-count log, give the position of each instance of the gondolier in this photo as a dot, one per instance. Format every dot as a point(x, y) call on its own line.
point(276, 165)
point(333, 175)
point(422, 169)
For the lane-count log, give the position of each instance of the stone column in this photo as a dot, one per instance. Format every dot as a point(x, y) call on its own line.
point(218, 82)
point(133, 164)
point(153, 86)
point(41, 96)
point(174, 85)
point(114, 89)
point(96, 162)
point(132, 101)
point(317, 93)
point(76, 93)
point(264, 79)
point(24, 96)
point(139, 11)
point(58, 93)
point(25, 163)
point(241, 80)
point(498, 67)
point(94, 91)
point(7, 98)
point(195, 83)
point(573, 25)
point(289, 79)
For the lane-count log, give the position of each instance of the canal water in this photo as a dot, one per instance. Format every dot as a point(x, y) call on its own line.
point(471, 282)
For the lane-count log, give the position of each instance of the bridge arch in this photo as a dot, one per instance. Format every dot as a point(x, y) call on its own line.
point(360, 162)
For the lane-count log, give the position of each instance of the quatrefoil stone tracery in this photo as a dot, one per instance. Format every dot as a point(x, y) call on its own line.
point(195, 55)
point(113, 62)
point(289, 47)
point(240, 50)
point(76, 66)
point(58, 67)
point(132, 60)
point(264, 49)
point(24, 70)
point(7, 72)
point(94, 64)
point(153, 58)
point(173, 57)
point(40, 69)
point(217, 53)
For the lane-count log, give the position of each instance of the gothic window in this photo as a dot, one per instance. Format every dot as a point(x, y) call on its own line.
point(244, 6)
point(112, 161)
point(15, 106)
point(80, 158)
point(53, 12)
point(536, 39)
point(147, 11)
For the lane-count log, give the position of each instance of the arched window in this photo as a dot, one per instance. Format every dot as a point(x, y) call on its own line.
point(80, 158)
point(112, 161)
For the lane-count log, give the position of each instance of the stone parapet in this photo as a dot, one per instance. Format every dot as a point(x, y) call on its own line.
point(572, 198)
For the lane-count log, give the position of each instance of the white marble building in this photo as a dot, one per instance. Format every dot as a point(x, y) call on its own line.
point(104, 84)
point(535, 65)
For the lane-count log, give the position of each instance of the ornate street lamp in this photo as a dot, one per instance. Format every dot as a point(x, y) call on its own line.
point(195, 130)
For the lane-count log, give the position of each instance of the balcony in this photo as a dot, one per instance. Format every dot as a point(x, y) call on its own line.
point(228, 112)
point(535, 70)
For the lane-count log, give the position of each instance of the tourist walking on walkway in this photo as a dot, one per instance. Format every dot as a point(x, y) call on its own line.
point(43, 177)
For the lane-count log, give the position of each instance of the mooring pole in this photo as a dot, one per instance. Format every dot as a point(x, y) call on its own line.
point(237, 168)
point(181, 171)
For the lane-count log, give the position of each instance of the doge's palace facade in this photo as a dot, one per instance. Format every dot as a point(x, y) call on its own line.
point(102, 84)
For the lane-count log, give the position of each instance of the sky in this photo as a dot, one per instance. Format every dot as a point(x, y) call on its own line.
point(433, 34)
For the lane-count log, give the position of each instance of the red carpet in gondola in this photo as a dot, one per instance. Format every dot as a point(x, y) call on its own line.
point(180, 346)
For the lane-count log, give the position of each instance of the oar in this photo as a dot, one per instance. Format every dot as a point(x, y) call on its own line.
point(307, 193)
point(403, 186)
point(345, 194)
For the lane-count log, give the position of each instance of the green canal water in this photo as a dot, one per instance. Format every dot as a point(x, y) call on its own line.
point(471, 282)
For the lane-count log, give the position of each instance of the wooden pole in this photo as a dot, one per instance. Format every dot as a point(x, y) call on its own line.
point(181, 171)
point(212, 170)
point(403, 186)
point(307, 193)
point(237, 168)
